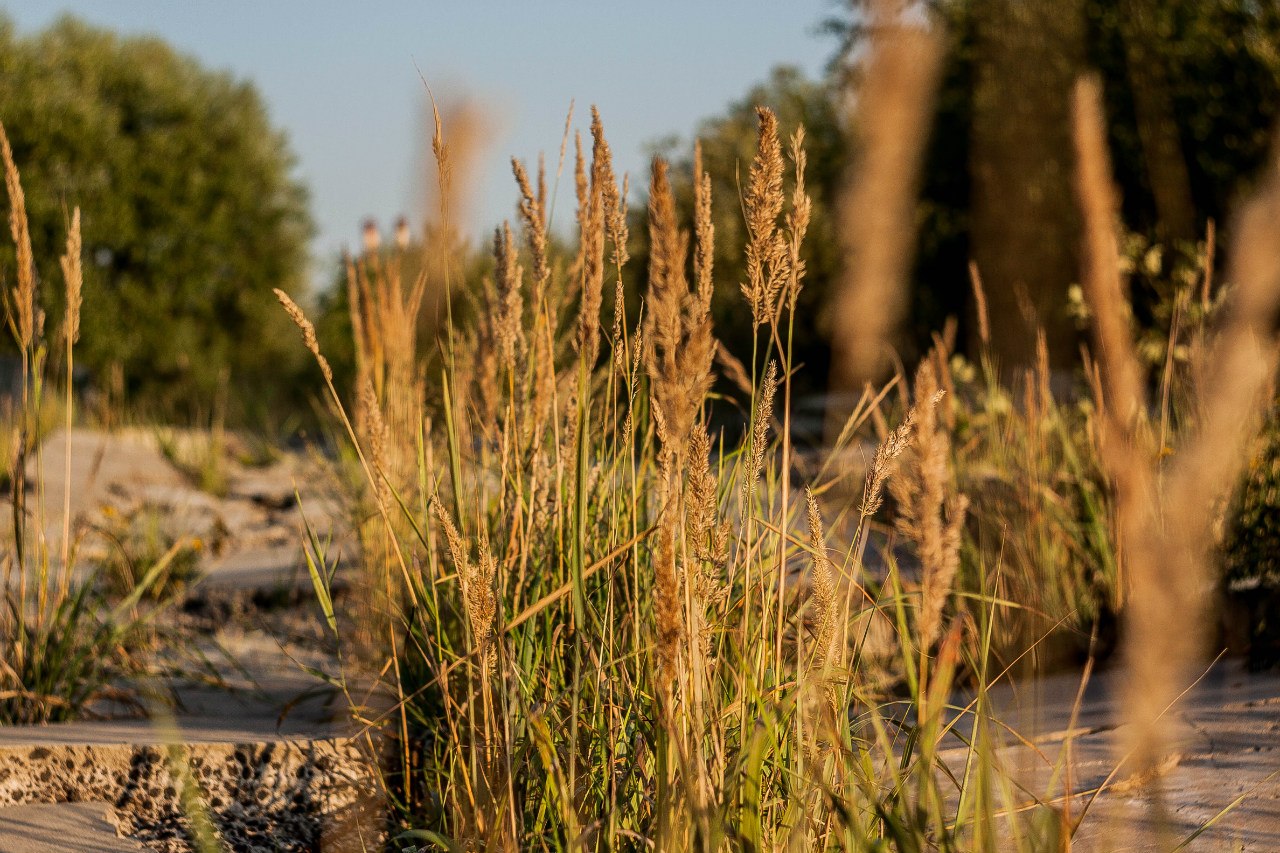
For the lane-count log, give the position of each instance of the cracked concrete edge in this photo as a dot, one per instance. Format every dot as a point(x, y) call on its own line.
point(299, 787)
point(86, 827)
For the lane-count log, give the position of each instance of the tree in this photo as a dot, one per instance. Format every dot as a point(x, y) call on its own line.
point(191, 214)
point(1192, 96)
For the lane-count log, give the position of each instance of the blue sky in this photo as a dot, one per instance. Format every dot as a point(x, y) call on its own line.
point(342, 79)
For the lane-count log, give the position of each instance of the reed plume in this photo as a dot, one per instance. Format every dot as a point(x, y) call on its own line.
point(825, 603)
point(533, 215)
point(679, 353)
point(929, 517)
point(980, 304)
point(1166, 535)
point(887, 453)
point(763, 417)
point(21, 301)
point(308, 332)
point(590, 260)
point(1104, 287)
point(73, 276)
point(766, 250)
point(613, 199)
point(797, 219)
point(509, 307)
point(894, 94)
point(681, 347)
point(704, 228)
point(708, 538)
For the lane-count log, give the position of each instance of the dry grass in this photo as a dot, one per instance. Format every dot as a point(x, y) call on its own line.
point(618, 628)
point(894, 103)
point(1167, 511)
point(62, 647)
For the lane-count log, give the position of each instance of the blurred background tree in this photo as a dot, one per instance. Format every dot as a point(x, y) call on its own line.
point(1192, 94)
point(191, 213)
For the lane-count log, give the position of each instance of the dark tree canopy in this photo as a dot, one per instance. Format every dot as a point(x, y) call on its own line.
point(190, 210)
point(1192, 91)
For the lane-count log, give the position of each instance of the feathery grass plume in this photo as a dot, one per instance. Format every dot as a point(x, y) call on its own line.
point(668, 619)
point(613, 201)
point(980, 304)
point(73, 275)
point(825, 606)
point(895, 96)
point(534, 218)
point(930, 518)
point(582, 192)
point(797, 218)
point(1122, 435)
point(385, 314)
point(21, 302)
point(679, 351)
point(704, 228)
point(477, 587)
point(766, 250)
point(475, 576)
point(887, 453)
point(760, 432)
point(598, 206)
point(1167, 612)
point(1104, 288)
point(308, 331)
point(681, 347)
point(509, 275)
point(542, 182)
point(708, 539)
point(533, 215)
point(375, 435)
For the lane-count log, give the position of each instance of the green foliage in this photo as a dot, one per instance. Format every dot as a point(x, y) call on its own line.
point(59, 667)
point(1192, 95)
point(1040, 528)
point(190, 209)
point(1251, 549)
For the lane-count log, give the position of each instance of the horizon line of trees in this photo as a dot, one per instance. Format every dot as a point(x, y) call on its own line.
point(192, 212)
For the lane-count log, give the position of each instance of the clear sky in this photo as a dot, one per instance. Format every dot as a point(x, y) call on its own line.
point(343, 79)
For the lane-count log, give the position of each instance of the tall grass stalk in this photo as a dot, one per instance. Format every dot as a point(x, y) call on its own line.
point(62, 647)
point(1167, 510)
point(618, 630)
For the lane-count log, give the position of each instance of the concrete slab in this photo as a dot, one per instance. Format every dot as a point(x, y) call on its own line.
point(1226, 746)
point(62, 828)
point(251, 537)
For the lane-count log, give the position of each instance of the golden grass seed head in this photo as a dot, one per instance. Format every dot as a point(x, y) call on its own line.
point(73, 275)
point(21, 302)
point(308, 331)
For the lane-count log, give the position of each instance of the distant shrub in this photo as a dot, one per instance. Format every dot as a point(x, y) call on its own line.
point(1251, 548)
